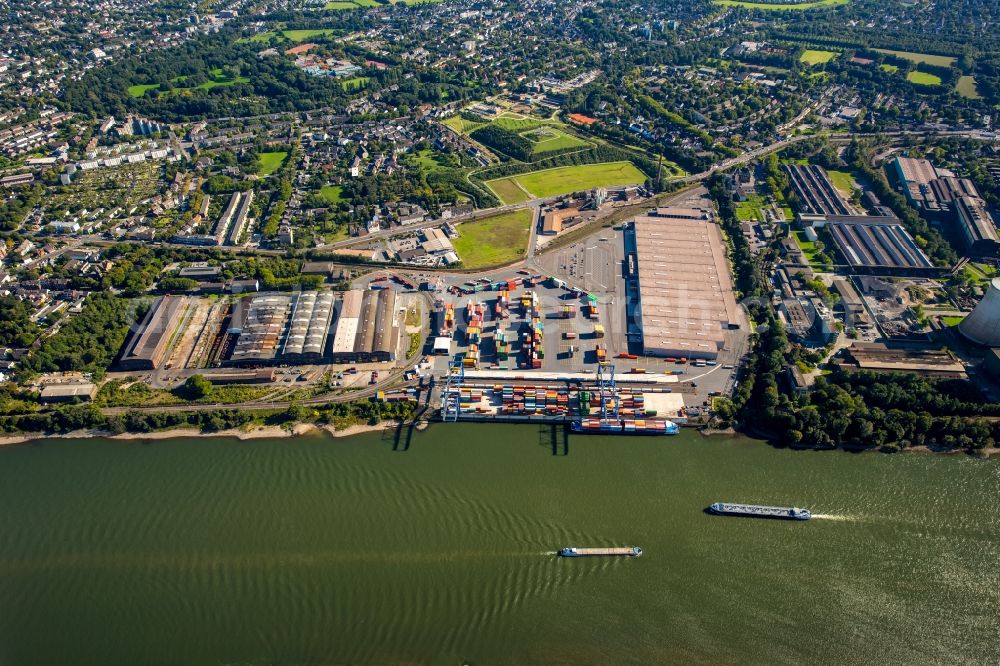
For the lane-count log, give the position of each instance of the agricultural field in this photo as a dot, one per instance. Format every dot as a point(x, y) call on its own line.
point(340, 4)
point(493, 241)
point(778, 6)
point(966, 87)
point(548, 139)
point(813, 57)
point(921, 58)
point(923, 78)
point(886, 67)
point(271, 162)
point(563, 180)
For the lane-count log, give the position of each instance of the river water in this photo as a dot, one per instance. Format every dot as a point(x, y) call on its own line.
point(438, 549)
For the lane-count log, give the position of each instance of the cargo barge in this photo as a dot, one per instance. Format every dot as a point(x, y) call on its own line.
point(757, 511)
point(625, 427)
point(629, 551)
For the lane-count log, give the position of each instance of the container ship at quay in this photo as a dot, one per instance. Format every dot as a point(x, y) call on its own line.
point(757, 511)
point(629, 551)
point(625, 427)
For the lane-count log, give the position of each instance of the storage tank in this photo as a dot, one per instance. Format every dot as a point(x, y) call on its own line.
point(983, 325)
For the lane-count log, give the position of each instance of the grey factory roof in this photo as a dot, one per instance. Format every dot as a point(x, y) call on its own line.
point(310, 323)
point(878, 245)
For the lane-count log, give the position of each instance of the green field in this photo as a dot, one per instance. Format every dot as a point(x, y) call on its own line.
point(564, 180)
point(340, 4)
point(461, 125)
point(886, 67)
point(271, 162)
point(355, 83)
point(508, 121)
point(843, 181)
point(303, 35)
point(429, 161)
point(812, 57)
point(495, 240)
point(773, 6)
point(261, 38)
point(751, 210)
point(966, 87)
point(367, 3)
point(951, 321)
point(332, 193)
point(547, 139)
point(218, 79)
point(518, 123)
point(809, 249)
point(935, 60)
point(508, 190)
point(923, 78)
point(140, 89)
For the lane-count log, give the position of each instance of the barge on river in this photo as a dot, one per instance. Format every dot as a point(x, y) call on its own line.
point(630, 551)
point(757, 511)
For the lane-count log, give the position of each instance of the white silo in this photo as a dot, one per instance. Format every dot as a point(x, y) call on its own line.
point(982, 326)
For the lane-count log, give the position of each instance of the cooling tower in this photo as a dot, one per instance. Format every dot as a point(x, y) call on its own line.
point(983, 325)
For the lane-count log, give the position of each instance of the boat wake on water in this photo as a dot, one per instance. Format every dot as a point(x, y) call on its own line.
point(836, 517)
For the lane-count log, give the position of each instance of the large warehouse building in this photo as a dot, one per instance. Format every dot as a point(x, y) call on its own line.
point(880, 248)
point(148, 344)
point(816, 193)
point(367, 327)
point(309, 327)
point(948, 198)
point(928, 187)
point(276, 328)
point(686, 299)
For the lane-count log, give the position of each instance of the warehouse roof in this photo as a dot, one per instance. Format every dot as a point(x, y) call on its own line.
point(878, 245)
point(686, 296)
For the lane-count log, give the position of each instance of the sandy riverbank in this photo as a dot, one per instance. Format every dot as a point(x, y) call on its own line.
point(259, 432)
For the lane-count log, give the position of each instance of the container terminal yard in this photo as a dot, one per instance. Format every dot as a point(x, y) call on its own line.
point(632, 330)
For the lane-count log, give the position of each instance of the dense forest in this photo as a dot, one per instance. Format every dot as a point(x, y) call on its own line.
point(89, 341)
